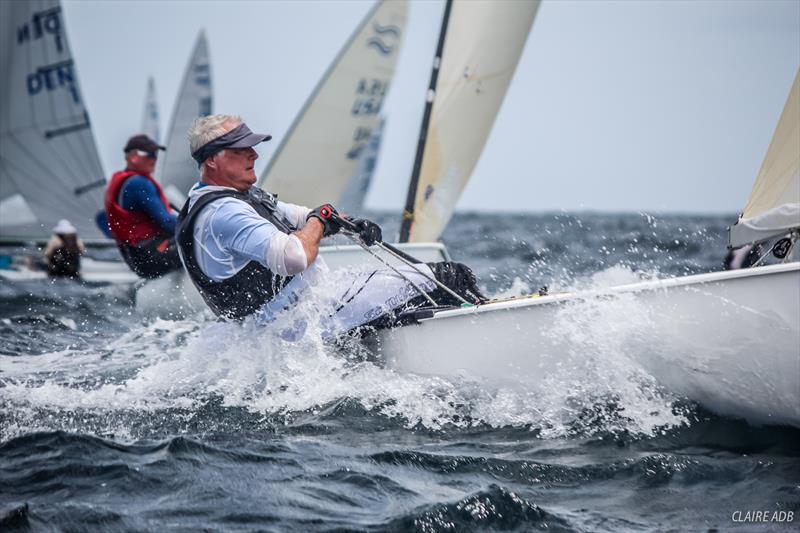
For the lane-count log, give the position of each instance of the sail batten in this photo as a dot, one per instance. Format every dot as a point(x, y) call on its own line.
point(176, 169)
point(482, 47)
point(49, 163)
point(773, 207)
point(319, 154)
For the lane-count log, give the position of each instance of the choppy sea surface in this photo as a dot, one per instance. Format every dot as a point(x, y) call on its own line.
point(114, 421)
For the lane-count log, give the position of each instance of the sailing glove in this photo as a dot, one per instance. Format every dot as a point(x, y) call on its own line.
point(459, 278)
point(325, 214)
point(368, 231)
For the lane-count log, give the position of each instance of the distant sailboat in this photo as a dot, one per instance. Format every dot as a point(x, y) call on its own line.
point(49, 166)
point(773, 208)
point(319, 154)
point(150, 116)
point(176, 169)
point(480, 44)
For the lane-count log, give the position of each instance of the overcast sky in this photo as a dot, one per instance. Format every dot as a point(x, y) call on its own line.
point(623, 105)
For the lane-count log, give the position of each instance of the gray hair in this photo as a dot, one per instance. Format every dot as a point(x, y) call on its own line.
point(205, 129)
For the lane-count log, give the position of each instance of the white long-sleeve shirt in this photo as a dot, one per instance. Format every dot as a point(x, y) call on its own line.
point(228, 234)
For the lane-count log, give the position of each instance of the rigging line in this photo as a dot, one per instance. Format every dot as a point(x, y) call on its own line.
point(345, 302)
point(433, 279)
point(351, 229)
point(348, 290)
point(763, 257)
point(407, 259)
point(793, 237)
point(403, 276)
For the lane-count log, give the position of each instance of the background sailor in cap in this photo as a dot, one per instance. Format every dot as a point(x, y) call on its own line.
point(139, 215)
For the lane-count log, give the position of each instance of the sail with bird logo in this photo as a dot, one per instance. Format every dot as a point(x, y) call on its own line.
point(319, 154)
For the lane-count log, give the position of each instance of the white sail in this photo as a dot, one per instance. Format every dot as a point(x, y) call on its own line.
point(774, 204)
point(176, 170)
point(48, 158)
point(483, 43)
point(319, 154)
point(352, 200)
point(150, 117)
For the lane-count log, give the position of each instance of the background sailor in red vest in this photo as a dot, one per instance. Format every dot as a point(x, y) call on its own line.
point(139, 215)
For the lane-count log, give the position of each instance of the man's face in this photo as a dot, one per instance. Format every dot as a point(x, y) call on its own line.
point(235, 167)
point(140, 161)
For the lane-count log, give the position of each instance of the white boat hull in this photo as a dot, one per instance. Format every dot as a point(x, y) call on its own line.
point(727, 340)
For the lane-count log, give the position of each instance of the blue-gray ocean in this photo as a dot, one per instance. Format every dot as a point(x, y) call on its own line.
point(114, 421)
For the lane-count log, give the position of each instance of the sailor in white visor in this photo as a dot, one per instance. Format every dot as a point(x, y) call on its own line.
point(249, 254)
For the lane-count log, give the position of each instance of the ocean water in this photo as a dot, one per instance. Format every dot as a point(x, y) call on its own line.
point(114, 421)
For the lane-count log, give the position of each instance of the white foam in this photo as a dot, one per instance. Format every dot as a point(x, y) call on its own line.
point(180, 364)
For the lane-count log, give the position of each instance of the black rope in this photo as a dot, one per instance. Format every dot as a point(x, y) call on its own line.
point(345, 302)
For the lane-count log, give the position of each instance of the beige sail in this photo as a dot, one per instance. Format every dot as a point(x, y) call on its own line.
point(483, 43)
point(319, 154)
point(773, 207)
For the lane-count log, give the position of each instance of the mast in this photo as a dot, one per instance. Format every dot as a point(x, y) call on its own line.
point(408, 212)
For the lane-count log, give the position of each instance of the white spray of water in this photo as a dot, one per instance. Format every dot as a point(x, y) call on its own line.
point(180, 364)
point(603, 340)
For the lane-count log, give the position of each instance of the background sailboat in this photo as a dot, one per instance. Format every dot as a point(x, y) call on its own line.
point(318, 155)
point(49, 166)
point(479, 47)
point(150, 116)
point(773, 208)
point(176, 169)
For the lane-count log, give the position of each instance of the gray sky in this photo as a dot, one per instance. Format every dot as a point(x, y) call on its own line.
point(615, 105)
